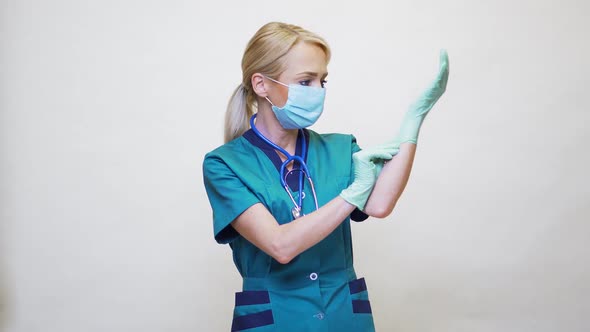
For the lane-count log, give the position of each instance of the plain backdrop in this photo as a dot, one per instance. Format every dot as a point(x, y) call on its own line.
point(108, 107)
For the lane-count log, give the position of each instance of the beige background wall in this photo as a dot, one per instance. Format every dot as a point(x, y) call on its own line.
point(108, 107)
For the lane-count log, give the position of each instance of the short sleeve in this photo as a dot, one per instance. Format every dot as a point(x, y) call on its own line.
point(356, 215)
point(228, 196)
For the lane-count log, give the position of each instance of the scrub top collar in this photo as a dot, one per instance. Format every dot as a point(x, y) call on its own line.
point(271, 153)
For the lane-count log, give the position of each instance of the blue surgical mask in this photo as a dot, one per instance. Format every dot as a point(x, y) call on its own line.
point(303, 108)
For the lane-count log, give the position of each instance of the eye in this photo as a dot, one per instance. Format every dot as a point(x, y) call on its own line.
point(324, 82)
point(306, 82)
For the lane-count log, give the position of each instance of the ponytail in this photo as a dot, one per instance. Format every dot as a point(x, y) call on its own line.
point(237, 116)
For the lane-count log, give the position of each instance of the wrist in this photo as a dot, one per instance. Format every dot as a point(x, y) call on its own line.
point(409, 129)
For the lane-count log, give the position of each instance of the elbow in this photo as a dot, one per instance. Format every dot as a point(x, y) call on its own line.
point(281, 252)
point(381, 211)
point(283, 259)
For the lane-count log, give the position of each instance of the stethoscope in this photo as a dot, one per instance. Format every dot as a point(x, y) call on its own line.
point(296, 210)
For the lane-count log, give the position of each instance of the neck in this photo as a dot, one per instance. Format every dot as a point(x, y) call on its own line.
point(270, 127)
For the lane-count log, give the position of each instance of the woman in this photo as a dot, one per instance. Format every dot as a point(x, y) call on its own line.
point(293, 250)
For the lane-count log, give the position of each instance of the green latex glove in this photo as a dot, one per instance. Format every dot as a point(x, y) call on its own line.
point(365, 174)
point(410, 126)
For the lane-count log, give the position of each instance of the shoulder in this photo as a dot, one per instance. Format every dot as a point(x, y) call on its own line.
point(226, 149)
point(230, 152)
point(227, 158)
point(334, 140)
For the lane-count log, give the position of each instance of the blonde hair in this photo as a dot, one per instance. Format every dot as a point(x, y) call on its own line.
point(264, 54)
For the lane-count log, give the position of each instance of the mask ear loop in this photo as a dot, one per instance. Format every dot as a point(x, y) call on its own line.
point(269, 101)
point(272, 79)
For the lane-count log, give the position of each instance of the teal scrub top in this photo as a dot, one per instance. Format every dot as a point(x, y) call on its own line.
point(318, 290)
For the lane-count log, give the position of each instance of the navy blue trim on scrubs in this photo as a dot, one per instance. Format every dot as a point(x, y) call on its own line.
point(361, 307)
point(293, 180)
point(273, 155)
point(252, 320)
point(357, 286)
point(252, 297)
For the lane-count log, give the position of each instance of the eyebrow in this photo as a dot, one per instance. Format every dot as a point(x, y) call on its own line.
point(311, 73)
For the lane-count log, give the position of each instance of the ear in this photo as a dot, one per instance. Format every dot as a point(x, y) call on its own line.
point(258, 84)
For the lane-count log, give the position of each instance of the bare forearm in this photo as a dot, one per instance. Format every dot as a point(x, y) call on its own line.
point(391, 182)
point(286, 241)
point(305, 232)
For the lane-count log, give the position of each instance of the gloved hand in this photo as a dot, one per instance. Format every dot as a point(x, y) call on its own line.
point(365, 174)
point(410, 126)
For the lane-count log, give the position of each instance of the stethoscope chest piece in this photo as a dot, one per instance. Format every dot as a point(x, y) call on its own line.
point(296, 211)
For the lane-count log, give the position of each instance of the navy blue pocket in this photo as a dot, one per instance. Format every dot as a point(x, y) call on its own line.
point(359, 296)
point(252, 297)
point(357, 286)
point(361, 306)
point(252, 320)
point(252, 310)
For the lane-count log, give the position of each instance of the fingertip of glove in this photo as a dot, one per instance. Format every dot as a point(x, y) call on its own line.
point(444, 57)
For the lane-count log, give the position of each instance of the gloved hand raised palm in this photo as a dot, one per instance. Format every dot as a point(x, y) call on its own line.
point(368, 163)
point(410, 126)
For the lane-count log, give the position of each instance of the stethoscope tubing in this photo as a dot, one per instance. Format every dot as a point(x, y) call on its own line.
point(290, 158)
